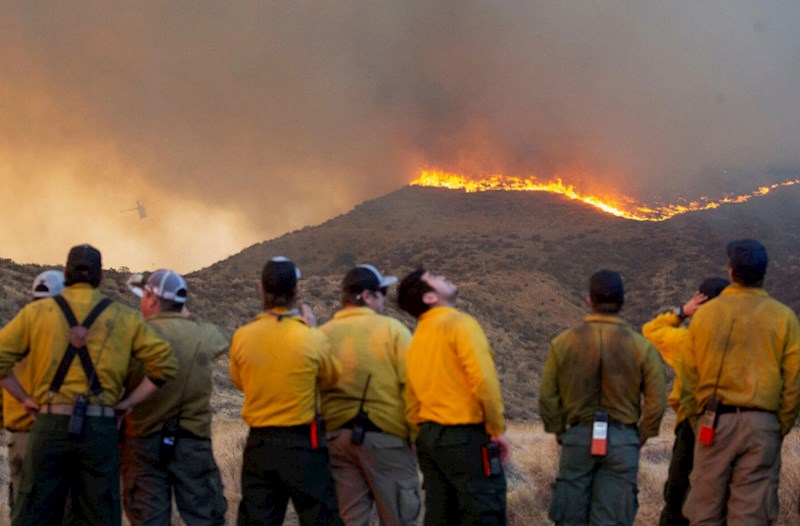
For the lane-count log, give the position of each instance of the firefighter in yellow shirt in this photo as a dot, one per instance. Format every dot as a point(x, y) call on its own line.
point(76, 395)
point(742, 373)
point(371, 457)
point(16, 420)
point(280, 364)
point(453, 399)
point(603, 395)
point(668, 333)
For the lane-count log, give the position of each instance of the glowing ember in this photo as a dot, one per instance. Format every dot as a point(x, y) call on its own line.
point(628, 209)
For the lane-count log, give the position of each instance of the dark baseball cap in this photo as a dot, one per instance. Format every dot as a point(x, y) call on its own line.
point(366, 277)
point(280, 276)
point(84, 265)
point(748, 259)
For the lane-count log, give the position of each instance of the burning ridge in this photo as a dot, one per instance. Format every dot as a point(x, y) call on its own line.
point(628, 208)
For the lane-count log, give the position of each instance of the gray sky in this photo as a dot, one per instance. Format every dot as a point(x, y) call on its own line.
point(235, 122)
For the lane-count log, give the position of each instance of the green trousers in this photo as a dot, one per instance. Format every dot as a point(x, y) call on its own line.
point(600, 491)
point(456, 489)
point(192, 476)
point(55, 462)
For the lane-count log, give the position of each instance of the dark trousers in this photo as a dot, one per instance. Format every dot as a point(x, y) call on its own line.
point(192, 475)
point(55, 463)
point(279, 464)
point(677, 485)
point(456, 489)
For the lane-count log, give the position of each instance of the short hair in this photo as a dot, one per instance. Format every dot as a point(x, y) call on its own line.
point(713, 286)
point(279, 282)
point(606, 291)
point(411, 291)
point(169, 305)
point(748, 260)
point(352, 298)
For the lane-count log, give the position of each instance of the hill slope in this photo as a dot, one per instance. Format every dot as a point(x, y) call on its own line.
point(522, 261)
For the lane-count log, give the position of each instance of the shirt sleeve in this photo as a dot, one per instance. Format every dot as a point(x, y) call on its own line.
point(654, 391)
point(14, 342)
point(477, 359)
point(666, 333)
point(330, 368)
point(790, 372)
point(689, 377)
point(154, 353)
point(234, 362)
point(550, 404)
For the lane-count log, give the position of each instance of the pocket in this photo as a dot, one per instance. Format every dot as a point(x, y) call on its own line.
point(488, 500)
point(385, 440)
point(409, 504)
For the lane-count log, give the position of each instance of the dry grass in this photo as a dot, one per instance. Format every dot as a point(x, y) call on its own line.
point(530, 473)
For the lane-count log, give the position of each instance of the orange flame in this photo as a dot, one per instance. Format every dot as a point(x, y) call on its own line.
point(628, 209)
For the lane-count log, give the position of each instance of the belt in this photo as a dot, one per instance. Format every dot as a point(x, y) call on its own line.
point(611, 421)
point(723, 409)
point(302, 429)
point(66, 409)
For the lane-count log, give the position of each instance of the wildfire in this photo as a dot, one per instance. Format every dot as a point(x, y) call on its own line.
point(629, 209)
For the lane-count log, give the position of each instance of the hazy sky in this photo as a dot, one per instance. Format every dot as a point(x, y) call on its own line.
point(235, 122)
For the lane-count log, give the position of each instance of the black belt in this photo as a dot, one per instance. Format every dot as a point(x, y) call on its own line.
point(723, 409)
point(611, 421)
point(302, 429)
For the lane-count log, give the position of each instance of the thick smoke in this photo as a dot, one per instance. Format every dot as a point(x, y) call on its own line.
point(236, 122)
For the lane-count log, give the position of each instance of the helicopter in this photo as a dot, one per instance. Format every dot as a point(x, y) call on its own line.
point(139, 208)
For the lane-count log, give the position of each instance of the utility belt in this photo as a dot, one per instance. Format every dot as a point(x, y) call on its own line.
point(180, 433)
point(67, 409)
point(723, 409)
point(611, 421)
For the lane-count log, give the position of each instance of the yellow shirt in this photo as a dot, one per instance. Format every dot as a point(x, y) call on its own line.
point(119, 332)
point(602, 363)
point(278, 364)
point(669, 337)
point(368, 344)
point(451, 375)
point(761, 366)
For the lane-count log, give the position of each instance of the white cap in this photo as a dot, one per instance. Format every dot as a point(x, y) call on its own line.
point(48, 283)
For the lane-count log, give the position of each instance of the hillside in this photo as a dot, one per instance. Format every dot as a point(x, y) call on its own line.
point(522, 261)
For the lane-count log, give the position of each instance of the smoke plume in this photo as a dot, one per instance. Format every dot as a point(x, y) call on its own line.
point(235, 122)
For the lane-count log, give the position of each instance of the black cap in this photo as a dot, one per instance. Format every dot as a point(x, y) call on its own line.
point(711, 287)
point(605, 287)
point(365, 277)
point(279, 276)
point(748, 260)
point(84, 265)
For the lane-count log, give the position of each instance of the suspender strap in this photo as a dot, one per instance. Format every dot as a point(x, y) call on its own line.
point(77, 345)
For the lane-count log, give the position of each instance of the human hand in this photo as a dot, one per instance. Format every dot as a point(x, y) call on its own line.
point(31, 407)
point(690, 307)
point(505, 447)
point(308, 314)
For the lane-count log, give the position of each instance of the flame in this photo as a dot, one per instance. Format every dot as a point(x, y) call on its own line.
point(627, 208)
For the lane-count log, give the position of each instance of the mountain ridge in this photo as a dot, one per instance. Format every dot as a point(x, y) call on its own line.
point(522, 262)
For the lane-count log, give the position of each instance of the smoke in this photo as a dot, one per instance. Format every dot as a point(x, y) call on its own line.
point(236, 122)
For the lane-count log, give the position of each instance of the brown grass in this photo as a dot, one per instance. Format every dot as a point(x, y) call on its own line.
point(530, 473)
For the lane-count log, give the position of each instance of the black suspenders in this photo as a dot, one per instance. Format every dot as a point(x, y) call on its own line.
point(77, 346)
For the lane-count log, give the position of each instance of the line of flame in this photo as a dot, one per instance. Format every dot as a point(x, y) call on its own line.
point(633, 210)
